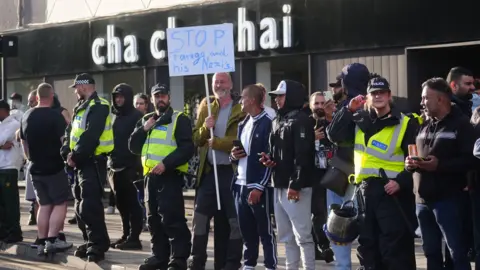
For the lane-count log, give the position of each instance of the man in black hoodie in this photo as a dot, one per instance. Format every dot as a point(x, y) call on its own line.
point(292, 155)
point(445, 142)
point(123, 169)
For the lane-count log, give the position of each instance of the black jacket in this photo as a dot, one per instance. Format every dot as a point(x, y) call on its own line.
point(126, 117)
point(292, 145)
point(342, 132)
point(464, 105)
point(85, 148)
point(183, 138)
point(451, 141)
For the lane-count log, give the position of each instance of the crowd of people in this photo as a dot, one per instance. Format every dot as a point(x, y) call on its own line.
point(404, 175)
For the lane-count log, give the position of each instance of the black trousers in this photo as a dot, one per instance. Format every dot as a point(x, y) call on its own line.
point(386, 241)
point(320, 215)
point(9, 203)
point(88, 192)
point(166, 218)
point(227, 239)
point(128, 205)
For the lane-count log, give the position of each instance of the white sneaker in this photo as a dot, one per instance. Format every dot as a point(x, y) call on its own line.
point(110, 210)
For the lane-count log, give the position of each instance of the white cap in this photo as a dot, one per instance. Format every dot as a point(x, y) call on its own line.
point(281, 89)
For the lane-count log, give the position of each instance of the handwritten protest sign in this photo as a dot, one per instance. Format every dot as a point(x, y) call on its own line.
point(200, 50)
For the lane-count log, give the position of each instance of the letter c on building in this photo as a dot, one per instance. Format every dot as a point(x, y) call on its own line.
point(154, 46)
point(97, 44)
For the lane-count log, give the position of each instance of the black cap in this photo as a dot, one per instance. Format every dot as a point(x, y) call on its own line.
point(377, 84)
point(160, 88)
point(83, 78)
point(121, 88)
point(16, 96)
point(4, 105)
point(336, 84)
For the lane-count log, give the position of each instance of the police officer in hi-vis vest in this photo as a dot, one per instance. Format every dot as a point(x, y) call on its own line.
point(164, 140)
point(88, 139)
point(381, 134)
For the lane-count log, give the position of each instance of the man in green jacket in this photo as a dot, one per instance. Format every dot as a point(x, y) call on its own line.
point(226, 114)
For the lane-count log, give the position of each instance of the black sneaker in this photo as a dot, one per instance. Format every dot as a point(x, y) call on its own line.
point(130, 245)
point(95, 257)
point(153, 263)
point(61, 236)
point(81, 251)
point(327, 255)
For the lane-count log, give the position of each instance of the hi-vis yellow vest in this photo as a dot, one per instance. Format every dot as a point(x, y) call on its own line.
point(159, 144)
point(79, 124)
point(384, 150)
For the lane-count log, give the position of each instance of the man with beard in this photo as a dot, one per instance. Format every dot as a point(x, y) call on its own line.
point(352, 81)
point(322, 111)
point(164, 140)
point(123, 170)
point(226, 114)
point(461, 82)
point(445, 142)
point(88, 140)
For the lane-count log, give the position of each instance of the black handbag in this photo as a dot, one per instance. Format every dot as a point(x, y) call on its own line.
point(337, 175)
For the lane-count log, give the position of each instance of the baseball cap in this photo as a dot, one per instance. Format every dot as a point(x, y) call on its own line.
point(336, 84)
point(355, 78)
point(377, 84)
point(83, 78)
point(281, 89)
point(4, 105)
point(16, 96)
point(160, 88)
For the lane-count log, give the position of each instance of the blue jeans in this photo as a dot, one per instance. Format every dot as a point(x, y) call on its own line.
point(443, 219)
point(343, 254)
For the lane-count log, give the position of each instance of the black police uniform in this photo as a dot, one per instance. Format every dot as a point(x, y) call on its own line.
point(90, 177)
point(164, 200)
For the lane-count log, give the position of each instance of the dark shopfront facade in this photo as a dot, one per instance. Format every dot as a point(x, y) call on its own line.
point(321, 37)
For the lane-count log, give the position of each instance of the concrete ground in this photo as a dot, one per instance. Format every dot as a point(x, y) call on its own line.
point(21, 255)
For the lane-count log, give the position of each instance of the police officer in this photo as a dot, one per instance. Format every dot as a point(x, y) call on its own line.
point(386, 239)
point(164, 140)
point(89, 138)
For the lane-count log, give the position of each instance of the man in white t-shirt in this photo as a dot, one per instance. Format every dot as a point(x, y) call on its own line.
point(252, 195)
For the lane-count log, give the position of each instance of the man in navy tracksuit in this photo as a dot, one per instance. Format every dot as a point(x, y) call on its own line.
point(251, 181)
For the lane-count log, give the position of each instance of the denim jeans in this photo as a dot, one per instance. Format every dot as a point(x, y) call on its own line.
point(343, 254)
point(443, 219)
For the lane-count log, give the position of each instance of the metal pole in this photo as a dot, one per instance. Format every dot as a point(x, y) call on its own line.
point(4, 78)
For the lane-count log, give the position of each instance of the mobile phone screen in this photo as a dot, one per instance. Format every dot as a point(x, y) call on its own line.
point(328, 95)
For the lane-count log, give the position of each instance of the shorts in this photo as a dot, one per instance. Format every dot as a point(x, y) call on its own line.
point(51, 189)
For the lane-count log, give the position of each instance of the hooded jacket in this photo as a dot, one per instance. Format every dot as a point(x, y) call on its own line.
point(126, 117)
point(292, 141)
point(451, 141)
point(10, 158)
point(355, 78)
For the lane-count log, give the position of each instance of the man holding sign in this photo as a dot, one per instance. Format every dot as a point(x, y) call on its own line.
point(226, 114)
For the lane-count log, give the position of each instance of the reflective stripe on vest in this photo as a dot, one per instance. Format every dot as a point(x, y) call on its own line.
point(79, 124)
point(384, 150)
point(159, 144)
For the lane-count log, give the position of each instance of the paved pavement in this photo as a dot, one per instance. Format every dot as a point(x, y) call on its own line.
point(116, 259)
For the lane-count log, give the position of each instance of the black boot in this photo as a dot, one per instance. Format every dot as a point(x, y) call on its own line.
point(153, 263)
point(177, 265)
point(95, 257)
point(130, 244)
point(118, 242)
point(327, 255)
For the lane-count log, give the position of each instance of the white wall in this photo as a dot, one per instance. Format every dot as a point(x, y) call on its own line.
point(68, 10)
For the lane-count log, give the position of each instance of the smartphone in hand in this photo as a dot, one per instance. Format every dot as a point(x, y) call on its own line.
point(238, 144)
